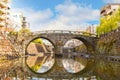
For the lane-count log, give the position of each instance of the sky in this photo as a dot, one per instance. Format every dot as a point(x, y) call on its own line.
point(60, 14)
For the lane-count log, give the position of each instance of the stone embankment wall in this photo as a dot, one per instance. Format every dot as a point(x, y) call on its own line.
point(108, 51)
point(109, 43)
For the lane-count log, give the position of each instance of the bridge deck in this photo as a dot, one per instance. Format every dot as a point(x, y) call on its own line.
point(65, 32)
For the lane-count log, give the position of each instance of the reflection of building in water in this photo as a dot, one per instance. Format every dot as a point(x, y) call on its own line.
point(74, 45)
point(46, 66)
point(35, 48)
point(43, 56)
point(77, 66)
point(49, 62)
point(32, 50)
point(72, 66)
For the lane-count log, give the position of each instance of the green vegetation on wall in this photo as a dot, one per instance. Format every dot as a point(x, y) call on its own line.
point(108, 23)
point(37, 67)
point(20, 35)
point(39, 40)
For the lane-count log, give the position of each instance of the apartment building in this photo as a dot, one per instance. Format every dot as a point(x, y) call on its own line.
point(4, 15)
point(4, 12)
point(109, 9)
point(11, 20)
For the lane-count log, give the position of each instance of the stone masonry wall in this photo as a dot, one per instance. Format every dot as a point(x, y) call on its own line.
point(109, 43)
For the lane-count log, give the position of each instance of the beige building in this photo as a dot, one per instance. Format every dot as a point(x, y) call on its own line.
point(90, 29)
point(4, 15)
point(11, 20)
point(25, 23)
point(4, 12)
point(109, 9)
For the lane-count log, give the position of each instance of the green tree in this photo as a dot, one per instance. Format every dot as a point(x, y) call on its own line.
point(23, 34)
point(108, 23)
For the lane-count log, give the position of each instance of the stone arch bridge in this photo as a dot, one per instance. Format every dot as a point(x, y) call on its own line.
point(58, 38)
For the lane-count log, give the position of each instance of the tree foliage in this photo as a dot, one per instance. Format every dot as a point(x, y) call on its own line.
point(23, 34)
point(20, 36)
point(37, 67)
point(39, 40)
point(108, 23)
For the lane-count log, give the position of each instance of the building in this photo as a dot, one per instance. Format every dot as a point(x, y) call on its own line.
point(4, 12)
point(90, 29)
point(7, 50)
point(11, 20)
point(109, 9)
point(5, 15)
point(18, 21)
point(24, 22)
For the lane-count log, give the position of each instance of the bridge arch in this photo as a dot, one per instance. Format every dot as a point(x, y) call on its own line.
point(46, 54)
point(36, 37)
point(88, 44)
point(90, 51)
point(52, 37)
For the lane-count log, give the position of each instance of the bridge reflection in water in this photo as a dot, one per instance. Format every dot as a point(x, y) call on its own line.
point(69, 61)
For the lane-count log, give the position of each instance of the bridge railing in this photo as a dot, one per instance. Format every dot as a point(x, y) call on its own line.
point(65, 32)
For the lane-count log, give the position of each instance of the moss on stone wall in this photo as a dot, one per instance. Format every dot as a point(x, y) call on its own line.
point(109, 44)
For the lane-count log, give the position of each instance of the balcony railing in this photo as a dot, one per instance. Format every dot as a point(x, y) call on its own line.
point(7, 1)
point(64, 32)
point(2, 10)
point(3, 4)
point(2, 17)
point(2, 24)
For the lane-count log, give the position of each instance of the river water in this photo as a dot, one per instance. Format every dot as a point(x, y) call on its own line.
point(103, 68)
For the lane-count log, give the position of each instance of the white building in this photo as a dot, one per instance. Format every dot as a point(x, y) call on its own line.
point(18, 21)
point(109, 9)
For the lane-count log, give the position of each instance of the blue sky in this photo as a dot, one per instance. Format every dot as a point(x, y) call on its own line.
point(44, 4)
point(60, 14)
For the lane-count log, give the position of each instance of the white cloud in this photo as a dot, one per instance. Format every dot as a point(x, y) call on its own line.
point(111, 1)
point(76, 13)
point(69, 16)
point(35, 18)
point(58, 25)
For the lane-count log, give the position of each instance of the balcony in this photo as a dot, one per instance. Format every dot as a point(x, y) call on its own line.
point(7, 1)
point(103, 14)
point(8, 12)
point(2, 10)
point(3, 4)
point(2, 17)
point(2, 24)
point(8, 22)
point(110, 13)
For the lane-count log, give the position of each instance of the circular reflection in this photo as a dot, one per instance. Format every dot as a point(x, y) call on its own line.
point(40, 55)
point(75, 61)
